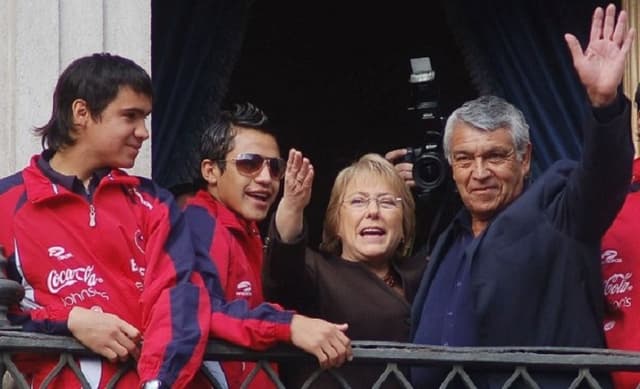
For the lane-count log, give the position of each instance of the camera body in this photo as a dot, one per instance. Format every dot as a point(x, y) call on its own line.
point(430, 168)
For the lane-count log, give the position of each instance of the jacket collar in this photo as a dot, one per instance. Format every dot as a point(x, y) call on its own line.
point(224, 215)
point(40, 186)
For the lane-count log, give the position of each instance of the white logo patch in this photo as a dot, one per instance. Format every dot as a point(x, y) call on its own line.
point(608, 326)
point(59, 253)
point(610, 256)
point(244, 289)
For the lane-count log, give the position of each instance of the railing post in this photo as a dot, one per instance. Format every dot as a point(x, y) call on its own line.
point(11, 293)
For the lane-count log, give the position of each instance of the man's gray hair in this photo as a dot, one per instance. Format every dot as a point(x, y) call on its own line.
point(489, 113)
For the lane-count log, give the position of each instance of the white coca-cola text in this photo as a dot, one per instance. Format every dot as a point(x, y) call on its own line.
point(618, 283)
point(58, 280)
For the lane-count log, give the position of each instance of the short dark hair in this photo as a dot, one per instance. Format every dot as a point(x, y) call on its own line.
point(217, 138)
point(97, 79)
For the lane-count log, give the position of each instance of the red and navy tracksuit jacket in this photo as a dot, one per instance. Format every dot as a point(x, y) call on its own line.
point(235, 246)
point(124, 249)
point(620, 259)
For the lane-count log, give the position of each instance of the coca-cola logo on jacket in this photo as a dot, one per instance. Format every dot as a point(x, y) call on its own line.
point(58, 280)
point(618, 283)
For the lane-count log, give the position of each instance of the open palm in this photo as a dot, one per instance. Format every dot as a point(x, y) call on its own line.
point(601, 66)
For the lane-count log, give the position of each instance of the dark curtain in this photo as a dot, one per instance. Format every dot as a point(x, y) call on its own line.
point(516, 49)
point(335, 82)
point(195, 44)
point(333, 76)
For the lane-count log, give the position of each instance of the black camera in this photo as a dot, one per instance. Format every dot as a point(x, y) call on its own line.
point(429, 165)
point(430, 168)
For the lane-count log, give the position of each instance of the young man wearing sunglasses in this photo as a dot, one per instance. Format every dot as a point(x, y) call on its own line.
point(241, 168)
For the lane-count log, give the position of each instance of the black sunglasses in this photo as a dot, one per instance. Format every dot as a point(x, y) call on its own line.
point(251, 165)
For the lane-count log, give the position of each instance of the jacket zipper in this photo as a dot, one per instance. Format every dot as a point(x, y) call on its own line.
point(92, 215)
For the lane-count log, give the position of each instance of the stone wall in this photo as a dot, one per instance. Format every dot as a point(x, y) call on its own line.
point(38, 39)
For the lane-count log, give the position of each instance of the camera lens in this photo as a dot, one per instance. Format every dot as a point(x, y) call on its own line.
point(429, 171)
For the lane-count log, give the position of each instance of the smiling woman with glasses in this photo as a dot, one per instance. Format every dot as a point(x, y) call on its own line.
point(362, 274)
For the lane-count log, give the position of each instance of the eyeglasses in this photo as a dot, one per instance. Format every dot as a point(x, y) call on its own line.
point(384, 202)
point(251, 165)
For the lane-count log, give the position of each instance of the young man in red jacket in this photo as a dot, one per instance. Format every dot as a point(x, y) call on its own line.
point(103, 256)
point(107, 257)
point(241, 168)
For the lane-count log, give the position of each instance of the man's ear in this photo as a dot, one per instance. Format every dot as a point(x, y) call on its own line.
point(210, 171)
point(80, 112)
point(526, 161)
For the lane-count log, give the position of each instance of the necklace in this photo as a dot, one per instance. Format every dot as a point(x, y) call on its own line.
point(389, 279)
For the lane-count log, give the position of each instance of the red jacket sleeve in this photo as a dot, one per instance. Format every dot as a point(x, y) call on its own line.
point(174, 304)
point(233, 321)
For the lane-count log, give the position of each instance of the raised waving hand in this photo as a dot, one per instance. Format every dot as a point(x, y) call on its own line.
point(298, 181)
point(601, 65)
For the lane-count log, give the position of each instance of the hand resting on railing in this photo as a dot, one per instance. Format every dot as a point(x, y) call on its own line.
point(105, 334)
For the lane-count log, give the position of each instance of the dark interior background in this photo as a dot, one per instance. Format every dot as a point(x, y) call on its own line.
point(333, 75)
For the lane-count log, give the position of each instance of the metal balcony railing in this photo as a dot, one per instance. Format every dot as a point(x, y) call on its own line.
point(517, 364)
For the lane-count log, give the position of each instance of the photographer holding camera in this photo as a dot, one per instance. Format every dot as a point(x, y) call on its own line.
point(435, 206)
point(424, 168)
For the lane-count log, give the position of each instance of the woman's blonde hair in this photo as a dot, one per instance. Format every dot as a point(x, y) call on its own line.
point(372, 165)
